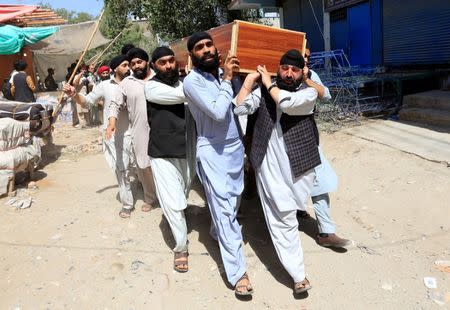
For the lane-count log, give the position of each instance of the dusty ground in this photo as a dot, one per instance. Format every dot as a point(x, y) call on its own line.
point(70, 250)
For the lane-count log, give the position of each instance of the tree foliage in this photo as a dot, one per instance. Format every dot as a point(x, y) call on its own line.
point(135, 33)
point(72, 17)
point(114, 22)
point(174, 19)
point(180, 18)
point(169, 19)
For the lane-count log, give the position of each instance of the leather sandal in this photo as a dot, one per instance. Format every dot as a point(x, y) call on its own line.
point(301, 287)
point(248, 287)
point(125, 213)
point(181, 259)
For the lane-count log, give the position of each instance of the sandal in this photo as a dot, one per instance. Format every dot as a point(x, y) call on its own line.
point(125, 213)
point(146, 207)
point(301, 287)
point(248, 287)
point(181, 259)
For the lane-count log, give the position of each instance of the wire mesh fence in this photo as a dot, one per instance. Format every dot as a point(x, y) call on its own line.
point(356, 91)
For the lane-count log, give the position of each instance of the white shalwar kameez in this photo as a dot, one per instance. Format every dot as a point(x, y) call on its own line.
point(117, 149)
point(281, 195)
point(173, 175)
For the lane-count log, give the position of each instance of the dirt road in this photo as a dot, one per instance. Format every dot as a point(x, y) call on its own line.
point(71, 250)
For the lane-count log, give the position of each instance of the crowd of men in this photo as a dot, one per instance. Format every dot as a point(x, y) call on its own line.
point(174, 127)
point(21, 87)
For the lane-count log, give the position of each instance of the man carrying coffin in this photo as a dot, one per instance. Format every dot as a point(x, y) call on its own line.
point(284, 153)
point(220, 152)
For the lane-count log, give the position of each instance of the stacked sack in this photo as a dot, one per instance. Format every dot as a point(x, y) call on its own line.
point(18, 150)
point(39, 116)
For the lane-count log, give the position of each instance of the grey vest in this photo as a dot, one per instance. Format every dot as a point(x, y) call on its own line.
point(300, 135)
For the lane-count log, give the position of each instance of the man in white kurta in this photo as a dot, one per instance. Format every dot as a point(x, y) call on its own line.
point(281, 190)
point(132, 99)
point(168, 147)
point(117, 149)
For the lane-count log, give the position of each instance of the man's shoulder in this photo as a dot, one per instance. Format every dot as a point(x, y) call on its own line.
point(20, 74)
point(126, 82)
point(154, 82)
point(128, 79)
point(104, 84)
point(193, 78)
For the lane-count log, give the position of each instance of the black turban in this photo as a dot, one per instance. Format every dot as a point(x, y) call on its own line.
point(126, 48)
point(293, 58)
point(137, 53)
point(161, 51)
point(194, 38)
point(116, 61)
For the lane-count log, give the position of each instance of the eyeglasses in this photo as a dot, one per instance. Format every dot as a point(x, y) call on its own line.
point(293, 68)
point(200, 46)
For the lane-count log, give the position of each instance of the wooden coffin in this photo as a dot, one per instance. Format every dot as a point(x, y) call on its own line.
point(254, 45)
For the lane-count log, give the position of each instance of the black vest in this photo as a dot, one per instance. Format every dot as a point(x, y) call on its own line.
point(23, 92)
point(167, 130)
point(300, 135)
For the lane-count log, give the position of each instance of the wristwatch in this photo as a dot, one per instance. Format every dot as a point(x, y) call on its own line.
point(271, 86)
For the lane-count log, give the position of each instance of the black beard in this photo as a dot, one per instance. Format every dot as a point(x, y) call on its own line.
point(290, 87)
point(170, 77)
point(140, 74)
point(104, 78)
point(206, 66)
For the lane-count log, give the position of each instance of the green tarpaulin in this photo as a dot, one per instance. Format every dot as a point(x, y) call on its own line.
point(12, 38)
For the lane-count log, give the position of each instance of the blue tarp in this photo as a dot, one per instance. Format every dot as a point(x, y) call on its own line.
point(13, 38)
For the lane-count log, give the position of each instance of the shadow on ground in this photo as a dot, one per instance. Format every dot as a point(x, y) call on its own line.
point(50, 154)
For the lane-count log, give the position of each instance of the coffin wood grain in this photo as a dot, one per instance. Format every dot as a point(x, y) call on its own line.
point(254, 44)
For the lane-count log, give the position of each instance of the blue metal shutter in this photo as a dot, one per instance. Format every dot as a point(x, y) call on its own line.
point(416, 32)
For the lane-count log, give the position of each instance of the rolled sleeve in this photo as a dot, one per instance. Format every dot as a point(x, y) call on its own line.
point(315, 78)
point(298, 103)
point(97, 92)
point(118, 101)
point(161, 93)
point(197, 93)
point(250, 104)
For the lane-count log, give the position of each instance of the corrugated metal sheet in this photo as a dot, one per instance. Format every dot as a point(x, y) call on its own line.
point(416, 32)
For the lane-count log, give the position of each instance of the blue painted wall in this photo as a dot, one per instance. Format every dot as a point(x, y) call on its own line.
point(339, 35)
point(311, 26)
point(298, 15)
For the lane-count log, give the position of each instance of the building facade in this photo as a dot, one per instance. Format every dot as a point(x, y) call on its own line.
point(391, 33)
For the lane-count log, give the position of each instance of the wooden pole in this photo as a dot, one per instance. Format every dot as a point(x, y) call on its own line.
point(80, 60)
point(97, 58)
